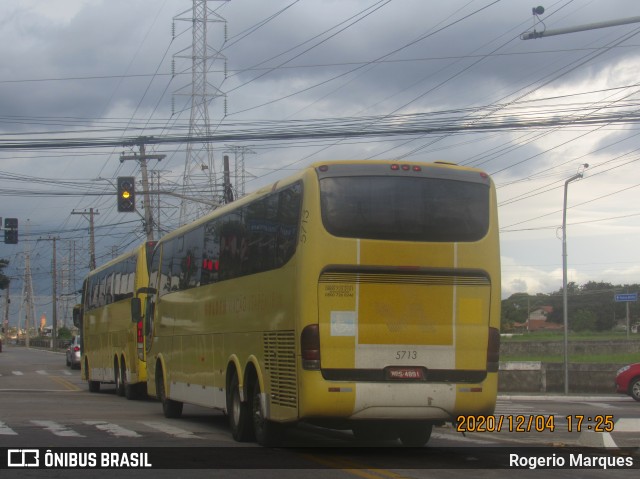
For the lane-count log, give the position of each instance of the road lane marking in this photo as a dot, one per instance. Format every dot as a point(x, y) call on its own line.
point(171, 430)
point(57, 429)
point(113, 429)
point(6, 430)
point(17, 373)
point(627, 424)
point(66, 384)
point(350, 467)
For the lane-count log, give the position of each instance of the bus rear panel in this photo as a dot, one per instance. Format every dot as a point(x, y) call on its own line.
point(407, 295)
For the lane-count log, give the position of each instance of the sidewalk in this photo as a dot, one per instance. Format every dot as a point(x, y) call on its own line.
point(563, 398)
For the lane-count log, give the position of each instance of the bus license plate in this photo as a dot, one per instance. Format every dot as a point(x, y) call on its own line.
point(405, 373)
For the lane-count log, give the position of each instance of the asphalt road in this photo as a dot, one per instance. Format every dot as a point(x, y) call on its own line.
point(44, 404)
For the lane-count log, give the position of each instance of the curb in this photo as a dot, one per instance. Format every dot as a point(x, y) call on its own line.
point(562, 397)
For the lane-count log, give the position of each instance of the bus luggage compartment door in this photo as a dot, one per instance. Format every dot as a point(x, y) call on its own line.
point(372, 323)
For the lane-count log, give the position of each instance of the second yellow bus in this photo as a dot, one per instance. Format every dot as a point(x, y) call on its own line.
point(112, 345)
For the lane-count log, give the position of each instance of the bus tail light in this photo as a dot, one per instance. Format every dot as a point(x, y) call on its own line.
point(310, 347)
point(140, 341)
point(139, 333)
point(493, 350)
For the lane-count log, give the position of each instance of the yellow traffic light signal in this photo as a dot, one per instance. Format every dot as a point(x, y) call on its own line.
point(126, 194)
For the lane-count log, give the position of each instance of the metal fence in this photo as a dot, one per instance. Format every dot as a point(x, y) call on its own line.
point(41, 343)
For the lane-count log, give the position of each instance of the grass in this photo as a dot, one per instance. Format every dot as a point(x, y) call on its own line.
point(559, 336)
point(611, 358)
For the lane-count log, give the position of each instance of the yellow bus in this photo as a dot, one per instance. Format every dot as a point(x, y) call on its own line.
point(112, 345)
point(360, 295)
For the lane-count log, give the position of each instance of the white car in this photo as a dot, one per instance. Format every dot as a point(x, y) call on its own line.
point(74, 354)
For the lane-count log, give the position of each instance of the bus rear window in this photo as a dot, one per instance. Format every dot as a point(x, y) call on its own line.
point(405, 208)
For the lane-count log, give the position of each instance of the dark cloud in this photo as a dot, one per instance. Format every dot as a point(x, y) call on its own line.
point(409, 56)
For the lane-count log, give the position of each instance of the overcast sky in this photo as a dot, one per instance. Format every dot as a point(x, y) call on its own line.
point(93, 69)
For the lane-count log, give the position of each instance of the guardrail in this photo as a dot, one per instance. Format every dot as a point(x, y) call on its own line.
point(40, 343)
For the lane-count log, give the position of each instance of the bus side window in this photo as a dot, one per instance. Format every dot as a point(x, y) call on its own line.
point(191, 258)
point(164, 285)
point(211, 253)
point(289, 202)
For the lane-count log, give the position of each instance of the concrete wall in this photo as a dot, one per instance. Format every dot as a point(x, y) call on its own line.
point(520, 348)
point(538, 377)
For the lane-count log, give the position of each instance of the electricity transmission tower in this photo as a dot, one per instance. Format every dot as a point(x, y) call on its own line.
point(200, 173)
point(240, 175)
point(28, 300)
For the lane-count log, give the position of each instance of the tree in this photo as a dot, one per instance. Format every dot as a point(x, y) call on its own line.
point(64, 333)
point(583, 320)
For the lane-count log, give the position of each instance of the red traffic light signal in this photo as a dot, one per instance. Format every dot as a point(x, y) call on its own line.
point(126, 194)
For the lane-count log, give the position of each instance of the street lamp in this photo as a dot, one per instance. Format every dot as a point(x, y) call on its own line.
point(564, 275)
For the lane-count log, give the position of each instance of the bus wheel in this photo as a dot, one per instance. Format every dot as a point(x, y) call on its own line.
point(131, 391)
point(94, 386)
point(118, 379)
point(239, 413)
point(415, 434)
point(171, 409)
point(268, 433)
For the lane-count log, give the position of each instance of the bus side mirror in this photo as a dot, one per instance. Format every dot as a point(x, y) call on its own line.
point(136, 310)
point(77, 315)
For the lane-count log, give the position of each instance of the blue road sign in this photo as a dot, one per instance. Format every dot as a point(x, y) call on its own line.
point(626, 297)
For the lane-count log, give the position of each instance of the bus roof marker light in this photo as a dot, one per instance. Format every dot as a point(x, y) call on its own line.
point(395, 167)
point(417, 168)
point(406, 167)
point(323, 168)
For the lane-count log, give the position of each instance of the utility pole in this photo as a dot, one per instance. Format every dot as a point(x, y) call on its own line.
point(565, 306)
point(7, 301)
point(92, 244)
point(67, 285)
point(27, 293)
point(156, 185)
point(54, 295)
point(142, 158)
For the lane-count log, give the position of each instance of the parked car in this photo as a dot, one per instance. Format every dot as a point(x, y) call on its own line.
point(74, 354)
point(628, 380)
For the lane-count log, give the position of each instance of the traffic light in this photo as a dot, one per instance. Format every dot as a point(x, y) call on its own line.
point(11, 230)
point(126, 194)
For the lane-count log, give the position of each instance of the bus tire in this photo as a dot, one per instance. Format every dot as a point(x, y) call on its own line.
point(268, 433)
point(170, 408)
point(415, 434)
point(118, 378)
point(94, 386)
point(131, 391)
point(239, 413)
